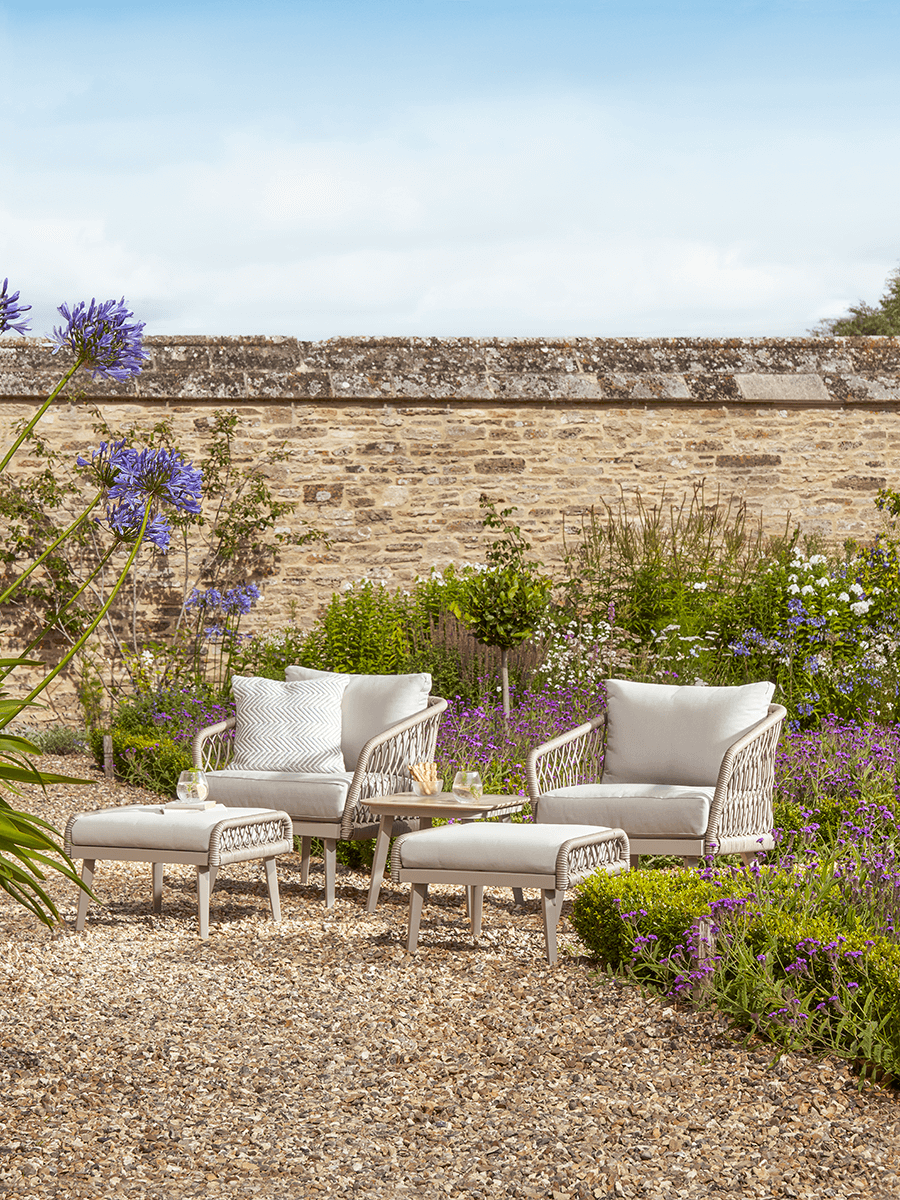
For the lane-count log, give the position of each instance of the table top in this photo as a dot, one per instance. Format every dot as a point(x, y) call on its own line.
point(445, 804)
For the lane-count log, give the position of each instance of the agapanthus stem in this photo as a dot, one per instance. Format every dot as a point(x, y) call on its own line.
point(37, 416)
point(40, 635)
point(12, 587)
point(90, 629)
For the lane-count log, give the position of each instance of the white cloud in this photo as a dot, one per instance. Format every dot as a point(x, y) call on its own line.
point(522, 215)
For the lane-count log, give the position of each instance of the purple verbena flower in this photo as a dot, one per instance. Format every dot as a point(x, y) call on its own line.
point(103, 338)
point(11, 312)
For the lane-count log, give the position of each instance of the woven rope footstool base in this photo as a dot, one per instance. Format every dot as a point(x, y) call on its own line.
point(549, 857)
point(158, 834)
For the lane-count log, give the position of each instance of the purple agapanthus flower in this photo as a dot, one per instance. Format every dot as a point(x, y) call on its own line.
point(236, 600)
point(103, 338)
point(106, 462)
point(135, 480)
point(161, 476)
point(11, 312)
point(125, 521)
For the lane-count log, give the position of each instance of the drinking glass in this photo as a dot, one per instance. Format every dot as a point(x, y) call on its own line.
point(192, 786)
point(467, 785)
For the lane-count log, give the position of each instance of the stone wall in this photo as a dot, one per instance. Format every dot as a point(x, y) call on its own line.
point(392, 441)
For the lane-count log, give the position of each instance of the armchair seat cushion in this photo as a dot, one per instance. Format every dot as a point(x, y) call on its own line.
point(641, 809)
point(303, 796)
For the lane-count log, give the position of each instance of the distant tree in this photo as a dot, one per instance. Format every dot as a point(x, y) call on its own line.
point(883, 321)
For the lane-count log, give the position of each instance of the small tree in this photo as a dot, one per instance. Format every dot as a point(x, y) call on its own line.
point(502, 604)
point(864, 319)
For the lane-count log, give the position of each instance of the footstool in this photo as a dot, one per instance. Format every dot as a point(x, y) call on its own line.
point(208, 838)
point(549, 857)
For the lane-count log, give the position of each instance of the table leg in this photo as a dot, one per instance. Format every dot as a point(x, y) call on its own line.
point(382, 845)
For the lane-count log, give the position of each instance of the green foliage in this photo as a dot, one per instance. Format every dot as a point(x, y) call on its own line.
point(152, 761)
point(59, 739)
point(611, 911)
point(881, 320)
point(363, 630)
point(26, 844)
point(648, 566)
point(502, 606)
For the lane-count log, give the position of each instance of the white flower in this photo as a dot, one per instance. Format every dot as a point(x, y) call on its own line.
point(816, 559)
point(807, 590)
point(843, 596)
point(860, 607)
point(792, 578)
point(793, 590)
point(823, 581)
point(832, 612)
point(857, 589)
point(699, 587)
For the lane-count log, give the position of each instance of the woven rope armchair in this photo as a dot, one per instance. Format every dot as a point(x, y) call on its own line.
point(683, 770)
point(330, 807)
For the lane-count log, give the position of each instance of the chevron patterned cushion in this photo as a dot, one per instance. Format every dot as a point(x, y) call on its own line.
point(288, 726)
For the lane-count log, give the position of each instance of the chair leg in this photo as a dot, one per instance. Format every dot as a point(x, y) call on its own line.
point(206, 878)
point(690, 862)
point(305, 844)
point(157, 869)
point(749, 857)
point(87, 877)
point(634, 861)
point(272, 885)
point(551, 905)
point(476, 907)
point(416, 901)
point(329, 846)
point(518, 897)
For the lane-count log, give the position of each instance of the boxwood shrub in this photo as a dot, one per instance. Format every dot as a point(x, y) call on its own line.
point(152, 761)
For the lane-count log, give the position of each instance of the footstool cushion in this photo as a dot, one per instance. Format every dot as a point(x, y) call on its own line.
point(207, 838)
point(549, 857)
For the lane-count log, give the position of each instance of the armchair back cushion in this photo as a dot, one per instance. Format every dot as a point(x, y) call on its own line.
point(662, 733)
point(288, 726)
point(371, 704)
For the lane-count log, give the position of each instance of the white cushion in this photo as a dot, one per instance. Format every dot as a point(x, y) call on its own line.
point(641, 809)
point(489, 846)
point(288, 726)
point(661, 733)
point(371, 704)
point(149, 827)
point(303, 796)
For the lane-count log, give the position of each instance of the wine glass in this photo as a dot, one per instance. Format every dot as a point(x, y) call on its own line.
point(192, 786)
point(467, 785)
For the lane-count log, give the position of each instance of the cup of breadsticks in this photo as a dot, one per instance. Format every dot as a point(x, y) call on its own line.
point(426, 781)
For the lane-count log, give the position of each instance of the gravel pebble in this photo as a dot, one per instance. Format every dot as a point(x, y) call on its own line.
point(315, 1058)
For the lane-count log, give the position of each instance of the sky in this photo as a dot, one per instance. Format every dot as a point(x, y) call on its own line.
point(484, 168)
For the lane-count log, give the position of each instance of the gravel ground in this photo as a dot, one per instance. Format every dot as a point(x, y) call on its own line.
point(315, 1058)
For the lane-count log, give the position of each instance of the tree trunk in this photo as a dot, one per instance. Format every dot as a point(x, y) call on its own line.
point(504, 679)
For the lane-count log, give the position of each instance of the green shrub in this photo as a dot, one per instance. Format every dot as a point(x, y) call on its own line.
point(59, 739)
point(611, 912)
point(151, 761)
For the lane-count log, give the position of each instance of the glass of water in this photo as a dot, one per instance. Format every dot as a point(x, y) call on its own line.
point(192, 786)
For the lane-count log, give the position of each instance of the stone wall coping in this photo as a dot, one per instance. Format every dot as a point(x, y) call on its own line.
point(816, 372)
